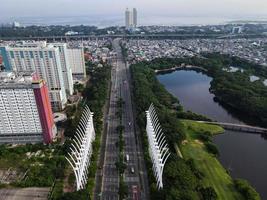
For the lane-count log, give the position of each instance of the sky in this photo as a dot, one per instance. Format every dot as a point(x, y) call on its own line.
point(224, 9)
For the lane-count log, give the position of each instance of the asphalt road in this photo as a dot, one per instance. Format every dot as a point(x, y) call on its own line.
point(110, 175)
point(120, 87)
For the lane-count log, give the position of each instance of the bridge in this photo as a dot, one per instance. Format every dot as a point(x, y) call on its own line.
point(128, 36)
point(180, 67)
point(238, 127)
point(112, 36)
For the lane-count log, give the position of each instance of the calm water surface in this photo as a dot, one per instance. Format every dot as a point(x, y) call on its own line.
point(243, 154)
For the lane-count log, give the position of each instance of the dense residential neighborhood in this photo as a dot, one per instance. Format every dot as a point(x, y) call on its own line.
point(254, 50)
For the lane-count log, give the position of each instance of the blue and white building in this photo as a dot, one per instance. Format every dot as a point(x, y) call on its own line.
point(49, 61)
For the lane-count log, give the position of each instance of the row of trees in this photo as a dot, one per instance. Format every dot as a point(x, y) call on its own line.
point(53, 30)
point(94, 95)
point(120, 164)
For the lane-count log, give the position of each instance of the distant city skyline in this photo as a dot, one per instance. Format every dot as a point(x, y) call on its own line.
point(151, 12)
point(107, 21)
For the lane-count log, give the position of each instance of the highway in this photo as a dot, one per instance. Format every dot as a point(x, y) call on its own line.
point(120, 88)
point(110, 175)
point(134, 36)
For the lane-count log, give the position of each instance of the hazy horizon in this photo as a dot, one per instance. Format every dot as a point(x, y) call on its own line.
point(156, 12)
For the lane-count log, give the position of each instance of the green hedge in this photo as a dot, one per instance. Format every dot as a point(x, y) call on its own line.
point(246, 190)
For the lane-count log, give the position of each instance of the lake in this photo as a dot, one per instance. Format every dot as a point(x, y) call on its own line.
point(243, 154)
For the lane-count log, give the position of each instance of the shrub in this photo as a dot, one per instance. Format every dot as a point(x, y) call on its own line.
point(208, 193)
point(204, 137)
point(246, 190)
point(212, 148)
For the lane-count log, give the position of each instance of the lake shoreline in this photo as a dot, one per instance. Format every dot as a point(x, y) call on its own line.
point(174, 84)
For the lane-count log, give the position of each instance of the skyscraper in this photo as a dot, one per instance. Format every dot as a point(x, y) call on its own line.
point(127, 19)
point(134, 18)
point(25, 109)
point(130, 18)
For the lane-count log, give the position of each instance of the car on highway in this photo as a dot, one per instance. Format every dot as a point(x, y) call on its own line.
point(132, 170)
point(127, 157)
point(135, 192)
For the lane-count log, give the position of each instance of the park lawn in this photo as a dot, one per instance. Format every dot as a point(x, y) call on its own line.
point(196, 127)
point(214, 173)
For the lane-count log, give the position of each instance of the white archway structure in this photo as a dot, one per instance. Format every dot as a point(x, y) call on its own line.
point(81, 148)
point(158, 147)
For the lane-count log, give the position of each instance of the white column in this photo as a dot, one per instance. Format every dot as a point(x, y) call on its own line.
point(81, 148)
point(158, 148)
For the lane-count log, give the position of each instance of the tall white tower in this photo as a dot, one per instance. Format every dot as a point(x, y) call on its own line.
point(134, 18)
point(127, 18)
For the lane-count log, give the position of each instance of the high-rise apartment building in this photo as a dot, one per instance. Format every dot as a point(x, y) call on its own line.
point(77, 63)
point(48, 61)
point(134, 17)
point(25, 109)
point(130, 18)
point(66, 67)
point(127, 19)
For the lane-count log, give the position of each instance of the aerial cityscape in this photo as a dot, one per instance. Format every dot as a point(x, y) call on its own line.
point(133, 100)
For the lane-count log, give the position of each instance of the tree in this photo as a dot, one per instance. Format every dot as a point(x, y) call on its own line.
point(176, 194)
point(212, 148)
point(178, 175)
point(208, 193)
point(81, 195)
point(246, 190)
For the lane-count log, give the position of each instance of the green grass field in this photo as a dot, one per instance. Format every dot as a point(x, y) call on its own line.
point(214, 173)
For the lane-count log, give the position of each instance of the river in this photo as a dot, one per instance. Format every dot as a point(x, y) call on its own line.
point(243, 154)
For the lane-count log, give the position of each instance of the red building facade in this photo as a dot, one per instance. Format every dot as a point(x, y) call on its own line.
point(44, 109)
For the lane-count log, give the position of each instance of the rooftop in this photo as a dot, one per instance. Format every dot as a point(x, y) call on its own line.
point(12, 80)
